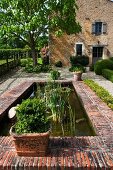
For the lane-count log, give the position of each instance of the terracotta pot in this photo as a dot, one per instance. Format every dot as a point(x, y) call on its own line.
point(31, 144)
point(77, 76)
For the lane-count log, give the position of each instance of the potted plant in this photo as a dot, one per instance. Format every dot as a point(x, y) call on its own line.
point(31, 131)
point(77, 72)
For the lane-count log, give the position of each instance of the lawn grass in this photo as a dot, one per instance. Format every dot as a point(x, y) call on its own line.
point(4, 61)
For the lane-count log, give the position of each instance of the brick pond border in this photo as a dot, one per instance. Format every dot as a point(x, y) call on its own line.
point(91, 152)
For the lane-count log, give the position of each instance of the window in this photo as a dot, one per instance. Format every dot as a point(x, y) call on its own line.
point(78, 49)
point(97, 52)
point(99, 28)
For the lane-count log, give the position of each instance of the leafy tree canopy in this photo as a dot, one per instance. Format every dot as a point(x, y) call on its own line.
point(28, 20)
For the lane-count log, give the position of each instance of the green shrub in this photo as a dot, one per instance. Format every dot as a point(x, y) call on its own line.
point(40, 61)
point(111, 58)
point(79, 60)
point(73, 61)
point(29, 68)
point(32, 116)
point(55, 74)
point(42, 68)
point(29, 61)
point(58, 64)
point(38, 68)
point(108, 74)
point(103, 64)
point(92, 67)
point(26, 61)
point(101, 92)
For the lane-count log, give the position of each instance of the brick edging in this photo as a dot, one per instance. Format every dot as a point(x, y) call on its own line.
point(92, 152)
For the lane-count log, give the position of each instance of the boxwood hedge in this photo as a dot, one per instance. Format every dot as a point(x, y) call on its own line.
point(103, 64)
point(108, 74)
point(101, 92)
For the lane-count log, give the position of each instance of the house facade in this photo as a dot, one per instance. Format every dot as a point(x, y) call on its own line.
point(96, 38)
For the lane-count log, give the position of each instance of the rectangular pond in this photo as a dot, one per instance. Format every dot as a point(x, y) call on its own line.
point(69, 119)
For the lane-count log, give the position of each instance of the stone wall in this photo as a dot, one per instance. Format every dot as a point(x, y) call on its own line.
point(89, 11)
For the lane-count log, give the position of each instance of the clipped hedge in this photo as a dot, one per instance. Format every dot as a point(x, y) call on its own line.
point(103, 64)
point(79, 60)
point(101, 92)
point(108, 74)
point(15, 53)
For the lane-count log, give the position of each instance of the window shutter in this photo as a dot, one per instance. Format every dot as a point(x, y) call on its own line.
point(93, 28)
point(104, 27)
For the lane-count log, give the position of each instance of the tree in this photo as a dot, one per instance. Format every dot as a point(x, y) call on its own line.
point(28, 20)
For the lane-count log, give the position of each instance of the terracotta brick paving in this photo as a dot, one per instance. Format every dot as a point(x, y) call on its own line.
point(92, 152)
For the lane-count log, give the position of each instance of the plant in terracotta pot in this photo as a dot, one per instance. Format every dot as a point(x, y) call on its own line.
point(77, 72)
point(31, 131)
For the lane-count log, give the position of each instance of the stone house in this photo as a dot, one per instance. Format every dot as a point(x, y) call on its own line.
point(96, 38)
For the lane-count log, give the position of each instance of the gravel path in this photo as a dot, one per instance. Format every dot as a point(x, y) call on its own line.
point(18, 76)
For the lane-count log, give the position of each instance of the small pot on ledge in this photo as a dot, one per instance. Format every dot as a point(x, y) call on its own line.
point(77, 76)
point(77, 72)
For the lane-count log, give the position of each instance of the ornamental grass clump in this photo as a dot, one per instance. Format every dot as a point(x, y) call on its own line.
point(54, 74)
point(57, 99)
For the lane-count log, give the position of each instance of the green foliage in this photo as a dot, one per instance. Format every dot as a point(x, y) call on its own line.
point(58, 64)
point(111, 58)
point(55, 74)
point(26, 61)
point(32, 116)
point(79, 60)
point(14, 53)
point(38, 68)
point(101, 92)
point(92, 67)
point(77, 69)
point(57, 99)
point(5, 61)
point(28, 21)
point(103, 64)
point(108, 74)
point(40, 61)
point(29, 68)
point(29, 61)
point(9, 42)
point(73, 61)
